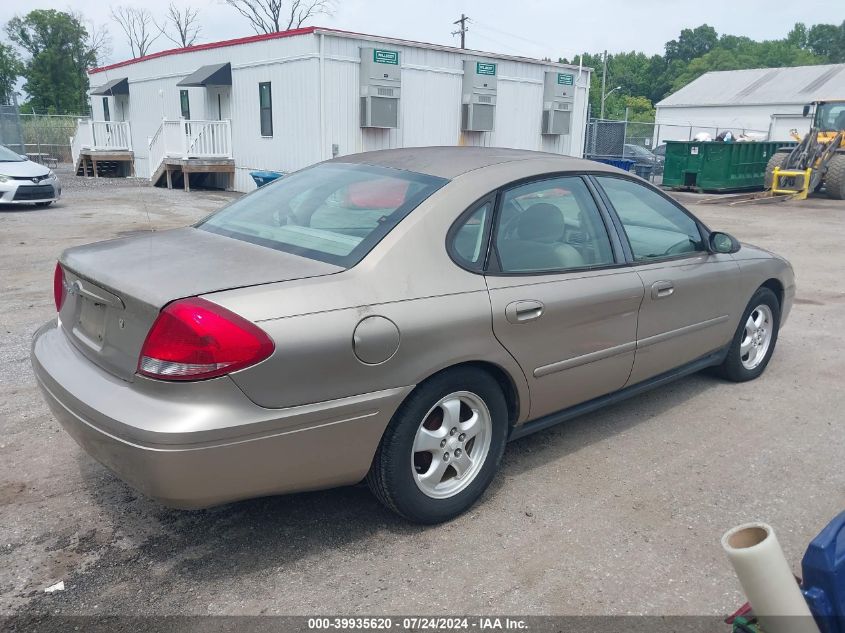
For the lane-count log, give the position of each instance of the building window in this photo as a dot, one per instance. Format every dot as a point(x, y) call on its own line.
point(265, 104)
point(106, 113)
point(185, 104)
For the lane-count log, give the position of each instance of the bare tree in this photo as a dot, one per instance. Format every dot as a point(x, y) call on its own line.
point(183, 23)
point(99, 43)
point(271, 16)
point(138, 25)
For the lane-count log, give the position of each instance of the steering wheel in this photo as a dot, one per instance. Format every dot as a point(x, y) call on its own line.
point(679, 248)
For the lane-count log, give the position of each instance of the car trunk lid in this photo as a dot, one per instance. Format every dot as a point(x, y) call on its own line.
point(115, 289)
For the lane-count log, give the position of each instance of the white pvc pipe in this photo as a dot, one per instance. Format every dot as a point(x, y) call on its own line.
point(767, 580)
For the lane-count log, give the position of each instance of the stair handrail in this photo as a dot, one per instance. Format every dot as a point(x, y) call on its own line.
point(156, 149)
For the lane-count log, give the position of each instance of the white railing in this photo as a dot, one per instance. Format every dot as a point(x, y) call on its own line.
point(101, 135)
point(111, 135)
point(208, 139)
point(190, 138)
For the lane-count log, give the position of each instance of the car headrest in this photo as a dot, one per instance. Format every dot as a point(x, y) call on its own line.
point(541, 222)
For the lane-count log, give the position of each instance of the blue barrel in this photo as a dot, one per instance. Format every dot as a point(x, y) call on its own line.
point(262, 178)
point(823, 567)
point(621, 163)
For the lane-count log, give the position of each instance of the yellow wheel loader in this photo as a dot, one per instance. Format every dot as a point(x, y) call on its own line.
point(818, 161)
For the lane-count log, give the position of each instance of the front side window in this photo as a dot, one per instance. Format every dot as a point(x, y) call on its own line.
point(334, 213)
point(265, 106)
point(830, 117)
point(655, 227)
point(184, 104)
point(551, 225)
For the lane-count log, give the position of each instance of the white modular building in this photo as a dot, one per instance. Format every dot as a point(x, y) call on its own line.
point(758, 101)
point(212, 113)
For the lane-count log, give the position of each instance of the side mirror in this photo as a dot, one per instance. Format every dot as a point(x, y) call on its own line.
point(723, 243)
point(806, 110)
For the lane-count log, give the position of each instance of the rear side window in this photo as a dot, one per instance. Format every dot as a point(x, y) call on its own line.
point(655, 227)
point(469, 237)
point(332, 212)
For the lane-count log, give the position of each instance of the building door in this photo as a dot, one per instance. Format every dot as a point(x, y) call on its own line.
point(221, 103)
point(121, 103)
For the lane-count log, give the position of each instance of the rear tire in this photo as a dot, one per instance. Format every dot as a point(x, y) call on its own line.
point(834, 180)
point(755, 338)
point(776, 160)
point(433, 436)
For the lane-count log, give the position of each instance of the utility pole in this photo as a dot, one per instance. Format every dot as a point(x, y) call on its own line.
point(603, 83)
point(462, 31)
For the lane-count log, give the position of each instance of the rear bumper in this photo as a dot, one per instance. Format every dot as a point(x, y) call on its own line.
point(194, 445)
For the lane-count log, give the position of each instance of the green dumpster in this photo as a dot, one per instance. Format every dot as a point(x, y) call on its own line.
point(714, 166)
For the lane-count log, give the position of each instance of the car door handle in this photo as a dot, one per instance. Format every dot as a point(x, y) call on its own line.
point(522, 311)
point(662, 289)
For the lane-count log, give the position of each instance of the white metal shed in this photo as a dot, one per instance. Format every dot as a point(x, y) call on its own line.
point(285, 100)
point(762, 100)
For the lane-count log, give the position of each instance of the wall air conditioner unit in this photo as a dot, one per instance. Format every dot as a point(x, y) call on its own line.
point(478, 96)
point(381, 85)
point(558, 103)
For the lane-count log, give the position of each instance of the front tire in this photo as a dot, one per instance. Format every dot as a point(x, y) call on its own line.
point(442, 447)
point(776, 160)
point(834, 180)
point(755, 338)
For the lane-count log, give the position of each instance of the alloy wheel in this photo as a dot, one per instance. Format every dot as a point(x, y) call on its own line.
point(757, 336)
point(451, 445)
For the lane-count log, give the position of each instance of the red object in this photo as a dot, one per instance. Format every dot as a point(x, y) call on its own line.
point(272, 36)
point(387, 193)
point(59, 290)
point(209, 45)
point(743, 611)
point(195, 339)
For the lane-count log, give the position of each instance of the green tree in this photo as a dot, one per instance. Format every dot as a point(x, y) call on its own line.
point(692, 43)
point(827, 41)
point(59, 55)
point(646, 80)
point(10, 69)
point(798, 35)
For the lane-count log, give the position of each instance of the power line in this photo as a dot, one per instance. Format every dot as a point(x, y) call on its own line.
point(463, 30)
point(534, 42)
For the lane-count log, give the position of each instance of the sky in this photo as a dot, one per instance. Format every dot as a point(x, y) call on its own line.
point(535, 28)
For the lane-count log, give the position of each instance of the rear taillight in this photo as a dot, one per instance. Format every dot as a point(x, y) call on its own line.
point(59, 290)
point(193, 339)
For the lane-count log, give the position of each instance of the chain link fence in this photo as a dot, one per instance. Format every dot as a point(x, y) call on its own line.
point(641, 143)
point(11, 129)
point(46, 137)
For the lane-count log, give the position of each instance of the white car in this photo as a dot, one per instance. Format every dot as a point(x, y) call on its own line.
point(23, 181)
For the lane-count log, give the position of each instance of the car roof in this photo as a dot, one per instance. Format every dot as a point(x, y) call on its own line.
point(450, 162)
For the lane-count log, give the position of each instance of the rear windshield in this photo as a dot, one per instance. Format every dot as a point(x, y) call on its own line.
point(332, 212)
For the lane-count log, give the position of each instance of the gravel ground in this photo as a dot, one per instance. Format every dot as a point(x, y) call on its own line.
point(617, 512)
